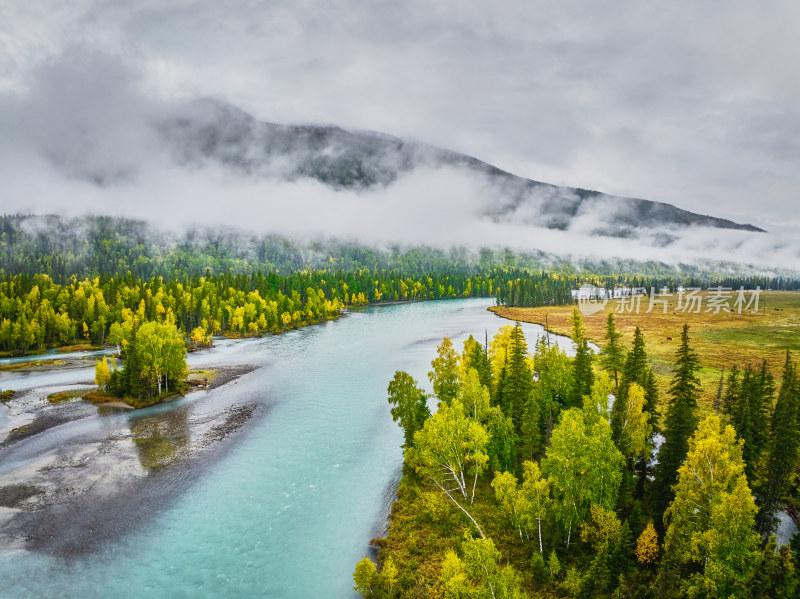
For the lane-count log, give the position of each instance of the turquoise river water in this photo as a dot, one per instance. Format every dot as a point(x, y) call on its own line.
point(290, 508)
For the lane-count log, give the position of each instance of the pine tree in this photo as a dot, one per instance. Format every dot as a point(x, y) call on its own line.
point(747, 406)
point(775, 576)
point(782, 450)
point(732, 390)
point(582, 363)
point(612, 356)
point(635, 370)
point(518, 380)
point(681, 420)
point(475, 356)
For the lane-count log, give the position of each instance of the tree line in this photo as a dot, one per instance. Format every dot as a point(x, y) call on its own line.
point(531, 289)
point(525, 480)
point(92, 246)
point(37, 313)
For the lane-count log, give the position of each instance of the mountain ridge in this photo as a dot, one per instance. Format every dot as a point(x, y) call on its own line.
point(211, 131)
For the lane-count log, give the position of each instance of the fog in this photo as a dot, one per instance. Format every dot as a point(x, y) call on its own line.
point(84, 95)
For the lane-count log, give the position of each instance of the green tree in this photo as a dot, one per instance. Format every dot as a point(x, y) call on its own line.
point(453, 579)
point(583, 374)
point(583, 467)
point(518, 380)
point(475, 356)
point(156, 356)
point(479, 575)
point(444, 373)
point(609, 539)
point(410, 405)
point(365, 577)
point(549, 395)
point(501, 448)
point(448, 448)
point(389, 575)
point(710, 541)
point(634, 426)
point(526, 506)
point(595, 405)
point(783, 450)
point(475, 398)
point(747, 404)
point(775, 573)
point(681, 420)
point(612, 356)
point(506, 492)
point(535, 494)
point(636, 369)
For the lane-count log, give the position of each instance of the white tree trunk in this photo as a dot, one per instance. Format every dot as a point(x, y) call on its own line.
point(540, 535)
point(475, 522)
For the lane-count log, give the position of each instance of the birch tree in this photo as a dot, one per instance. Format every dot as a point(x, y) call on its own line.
point(583, 467)
point(447, 450)
point(710, 523)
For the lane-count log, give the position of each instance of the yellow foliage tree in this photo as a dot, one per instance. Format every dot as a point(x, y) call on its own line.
point(101, 373)
point(647, 546)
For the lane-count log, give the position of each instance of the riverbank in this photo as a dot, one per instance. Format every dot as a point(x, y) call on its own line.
point(305, 480)
point(75, 475)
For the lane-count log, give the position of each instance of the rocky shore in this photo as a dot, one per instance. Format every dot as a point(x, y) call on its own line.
point(74, 475)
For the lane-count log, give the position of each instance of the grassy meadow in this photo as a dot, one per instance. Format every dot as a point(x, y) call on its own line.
point(721, 339)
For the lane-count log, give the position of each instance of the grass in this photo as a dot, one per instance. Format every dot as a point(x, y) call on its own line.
point(146, 402)
point(30, 352)
point(79, 347)
point(65, 395)
point(99, 397)
point(6, 395)
point(425, 524)
point(197, 378)
point(32, 364)
point(721, 340)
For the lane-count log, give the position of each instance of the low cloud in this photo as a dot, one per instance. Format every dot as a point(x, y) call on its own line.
point(84, 138)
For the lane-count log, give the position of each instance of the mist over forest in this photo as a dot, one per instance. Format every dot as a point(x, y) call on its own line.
point(88, 246)
point(85, 139)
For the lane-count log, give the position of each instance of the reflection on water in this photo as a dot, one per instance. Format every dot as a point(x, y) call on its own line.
point(160, 438)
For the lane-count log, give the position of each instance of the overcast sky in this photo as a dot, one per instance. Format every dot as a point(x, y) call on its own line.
point(690, 103)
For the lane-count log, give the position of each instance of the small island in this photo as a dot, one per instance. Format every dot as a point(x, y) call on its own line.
point(154, 367)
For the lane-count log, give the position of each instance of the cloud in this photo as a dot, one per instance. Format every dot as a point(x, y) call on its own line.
point(673, 103)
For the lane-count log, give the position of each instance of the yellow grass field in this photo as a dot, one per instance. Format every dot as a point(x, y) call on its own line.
point(720, 339)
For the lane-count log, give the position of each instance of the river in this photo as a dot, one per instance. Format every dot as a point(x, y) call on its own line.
point(289, 508)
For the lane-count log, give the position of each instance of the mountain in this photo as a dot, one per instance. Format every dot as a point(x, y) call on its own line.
point(212, 132)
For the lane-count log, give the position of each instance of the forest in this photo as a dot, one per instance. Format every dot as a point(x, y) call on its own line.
point(536, 474)
point(90, 246)
point(555, 289)
point(36, 313)
point(543, 475)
